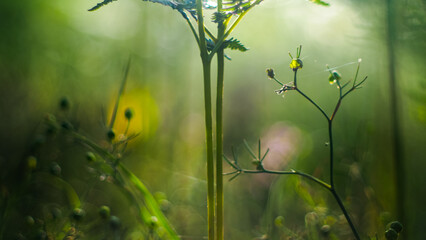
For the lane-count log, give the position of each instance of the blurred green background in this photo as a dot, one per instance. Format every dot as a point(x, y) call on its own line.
point(52, 49)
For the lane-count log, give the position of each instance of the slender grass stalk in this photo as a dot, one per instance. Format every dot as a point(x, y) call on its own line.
point(219, 132)
point(120, 93)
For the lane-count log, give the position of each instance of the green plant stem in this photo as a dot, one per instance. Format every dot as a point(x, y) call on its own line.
point(308, 98)
point(342, 207)
point(208, 122)
point(219, 133)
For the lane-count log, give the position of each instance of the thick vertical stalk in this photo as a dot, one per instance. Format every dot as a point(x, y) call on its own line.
point(219, 133)
point(395, 120)
point(208, 121)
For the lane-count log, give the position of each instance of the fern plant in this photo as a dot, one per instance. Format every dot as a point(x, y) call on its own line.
point(227, 16)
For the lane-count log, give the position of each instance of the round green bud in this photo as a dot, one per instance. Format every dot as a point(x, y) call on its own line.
point(153, 222)
point(55, 169)
point(397, 226)
point(50, 118)
point(325, 229)
point(56, 213)
point(114, 222)
point(29, 220)
point(66, 125)
point(165, 205)
point(31, 162)
point(391, 234)
point(279, 221)
point(104, 212)
point(64, 103)
point(90, 156)
point(270, 72)
point(78, 214)
point(111, 134)
point(128, 113)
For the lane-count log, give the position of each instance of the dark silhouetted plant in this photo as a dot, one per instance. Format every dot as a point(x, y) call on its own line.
point(344, 89)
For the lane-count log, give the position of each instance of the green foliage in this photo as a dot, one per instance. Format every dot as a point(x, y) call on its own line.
point(319, 2)
point(234, 44)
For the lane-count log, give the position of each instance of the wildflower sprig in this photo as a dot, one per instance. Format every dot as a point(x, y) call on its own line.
point(296, 64)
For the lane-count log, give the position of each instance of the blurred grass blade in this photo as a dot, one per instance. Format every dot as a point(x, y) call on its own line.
point(249, 149)
point(120, 93)
point(60, 184)
point(150, 202)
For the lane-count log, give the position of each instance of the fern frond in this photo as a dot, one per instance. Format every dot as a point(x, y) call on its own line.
point(101, 4)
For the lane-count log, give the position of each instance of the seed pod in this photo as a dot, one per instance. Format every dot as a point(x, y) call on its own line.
point(104, 212)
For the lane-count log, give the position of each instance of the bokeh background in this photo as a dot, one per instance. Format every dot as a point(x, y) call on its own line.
point(55, 49)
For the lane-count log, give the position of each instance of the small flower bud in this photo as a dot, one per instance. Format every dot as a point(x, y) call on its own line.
point(90, 156)
point(270, 72)
point(31, 162)
point(64, 103)
point(29, 220)
point(55, 169)
point(153, 222)
point(334, 76)
point(56, 213)
point(279, 221)
point(78, 214)
point(296, 63)
point(66, 125)
point(104, 212)
point(391, 234)
point(325, 229)
point(111, 134)
point(128, 113)
point(114, 222)
point(397, 226)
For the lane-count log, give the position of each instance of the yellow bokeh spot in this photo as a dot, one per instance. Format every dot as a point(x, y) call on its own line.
point(144, 119)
